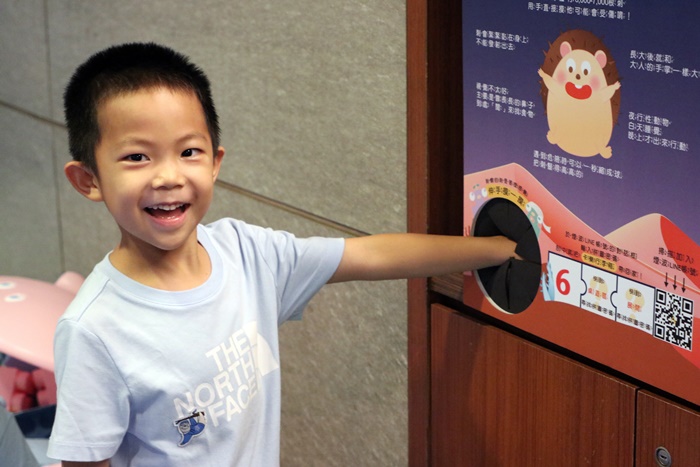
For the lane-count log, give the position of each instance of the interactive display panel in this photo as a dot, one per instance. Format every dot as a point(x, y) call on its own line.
point(582, 115)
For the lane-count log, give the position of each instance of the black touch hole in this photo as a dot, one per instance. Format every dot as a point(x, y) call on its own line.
point(512, 286)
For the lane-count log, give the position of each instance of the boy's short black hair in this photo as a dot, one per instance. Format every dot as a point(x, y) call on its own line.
point(127, 68)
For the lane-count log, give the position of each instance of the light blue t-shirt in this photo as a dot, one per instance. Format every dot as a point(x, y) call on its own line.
point(150, 377)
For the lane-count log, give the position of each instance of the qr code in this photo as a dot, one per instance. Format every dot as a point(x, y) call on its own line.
point(673, 319)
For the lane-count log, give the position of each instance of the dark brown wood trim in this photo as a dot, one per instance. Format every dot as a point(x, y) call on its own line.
point(417, 197)
point(434, 142)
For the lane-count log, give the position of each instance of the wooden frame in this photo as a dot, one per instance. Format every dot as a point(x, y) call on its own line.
point(435, 145)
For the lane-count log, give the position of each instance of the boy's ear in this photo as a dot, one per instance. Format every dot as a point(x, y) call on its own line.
point(83, 180)
point(217, 160)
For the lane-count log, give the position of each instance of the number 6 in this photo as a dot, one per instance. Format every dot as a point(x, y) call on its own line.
point(563, 285)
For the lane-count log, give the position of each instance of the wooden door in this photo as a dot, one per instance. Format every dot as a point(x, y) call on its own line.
point(662, 424)
point(500, 401)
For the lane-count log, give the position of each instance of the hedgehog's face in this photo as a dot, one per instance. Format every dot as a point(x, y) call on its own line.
point(580, 72)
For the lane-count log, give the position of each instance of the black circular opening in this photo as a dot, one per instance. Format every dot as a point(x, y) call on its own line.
point(512, 286)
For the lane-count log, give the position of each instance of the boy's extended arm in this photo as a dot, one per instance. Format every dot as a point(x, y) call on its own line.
point(400, 256)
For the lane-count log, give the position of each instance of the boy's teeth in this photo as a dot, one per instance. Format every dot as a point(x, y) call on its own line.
point(166, 210)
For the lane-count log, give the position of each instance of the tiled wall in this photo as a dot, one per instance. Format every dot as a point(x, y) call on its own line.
point(311, 97)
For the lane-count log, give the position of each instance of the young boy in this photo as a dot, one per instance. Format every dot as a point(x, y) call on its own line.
point(169, 353)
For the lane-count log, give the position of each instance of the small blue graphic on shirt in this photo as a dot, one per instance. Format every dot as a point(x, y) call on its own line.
point(190, 426)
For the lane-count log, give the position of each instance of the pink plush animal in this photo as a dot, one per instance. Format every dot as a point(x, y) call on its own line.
point(29, 311)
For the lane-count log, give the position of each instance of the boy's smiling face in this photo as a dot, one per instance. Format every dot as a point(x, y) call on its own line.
point(156, 167)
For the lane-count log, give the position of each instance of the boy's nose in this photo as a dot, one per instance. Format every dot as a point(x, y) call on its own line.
point(168, 175)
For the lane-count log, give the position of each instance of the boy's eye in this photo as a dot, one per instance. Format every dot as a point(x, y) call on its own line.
point(135, 157)
point(190, 152)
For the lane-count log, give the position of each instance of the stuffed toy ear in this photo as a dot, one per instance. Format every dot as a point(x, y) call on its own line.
point(70, 281)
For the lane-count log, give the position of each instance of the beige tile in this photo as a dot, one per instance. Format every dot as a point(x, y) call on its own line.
point(314, 109)
point(29, 233)
point(24, 80)
point(344, 378)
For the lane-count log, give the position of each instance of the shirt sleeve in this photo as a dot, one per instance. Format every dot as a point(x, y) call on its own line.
point(301, 267)
point(92, 412)
point(317, 262)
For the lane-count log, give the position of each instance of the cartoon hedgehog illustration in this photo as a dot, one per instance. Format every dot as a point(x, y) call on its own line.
point(580, 89)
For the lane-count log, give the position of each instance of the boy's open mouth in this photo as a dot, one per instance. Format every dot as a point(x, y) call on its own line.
point(165, 211)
